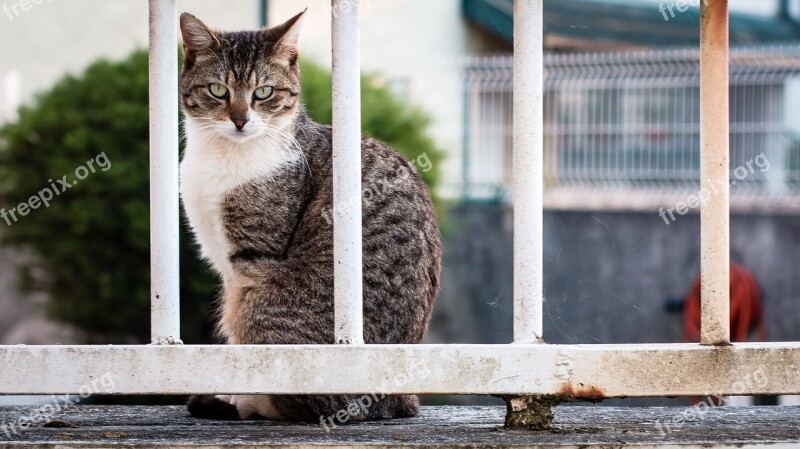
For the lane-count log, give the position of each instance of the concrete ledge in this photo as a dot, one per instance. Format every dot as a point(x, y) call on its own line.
point(474, 427)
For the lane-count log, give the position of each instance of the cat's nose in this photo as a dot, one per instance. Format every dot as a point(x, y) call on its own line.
point(240, 122)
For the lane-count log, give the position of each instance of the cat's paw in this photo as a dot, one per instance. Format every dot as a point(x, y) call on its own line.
point(211, 407)
point(255, 406)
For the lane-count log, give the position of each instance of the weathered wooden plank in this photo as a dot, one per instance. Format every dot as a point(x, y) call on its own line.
point(151, 427)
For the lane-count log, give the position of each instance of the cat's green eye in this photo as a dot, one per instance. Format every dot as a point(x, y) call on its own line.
point(218, 90)
point(263, 92)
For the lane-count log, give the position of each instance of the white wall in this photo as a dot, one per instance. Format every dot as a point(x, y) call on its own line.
point(57, 36)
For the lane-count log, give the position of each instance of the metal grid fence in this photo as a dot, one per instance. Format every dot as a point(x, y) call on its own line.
point(631, 119)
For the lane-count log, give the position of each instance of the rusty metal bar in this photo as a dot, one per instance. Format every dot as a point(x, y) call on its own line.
point(714, 163)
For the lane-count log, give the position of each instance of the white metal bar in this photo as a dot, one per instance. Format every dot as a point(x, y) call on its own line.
point(579, 370)
point(789, 400)
point(347, 245)
point(164, 206)
point(528, 170)
point(10, 91)
point(714, 187)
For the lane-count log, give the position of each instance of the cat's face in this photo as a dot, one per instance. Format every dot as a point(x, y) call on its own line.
point(241, 85)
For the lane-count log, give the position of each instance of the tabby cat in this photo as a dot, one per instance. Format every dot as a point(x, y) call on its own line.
point(256, 185)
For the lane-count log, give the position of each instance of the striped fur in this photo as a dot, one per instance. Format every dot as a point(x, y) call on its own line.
point(260, 203)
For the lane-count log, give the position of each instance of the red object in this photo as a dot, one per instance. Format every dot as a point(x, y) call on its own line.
point(747, 314)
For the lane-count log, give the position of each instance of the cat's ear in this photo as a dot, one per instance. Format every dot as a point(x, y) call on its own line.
point(196, 35)
point(287, 35)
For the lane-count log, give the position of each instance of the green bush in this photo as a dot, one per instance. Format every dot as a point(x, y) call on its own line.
point(383, 116)
point(90, 247)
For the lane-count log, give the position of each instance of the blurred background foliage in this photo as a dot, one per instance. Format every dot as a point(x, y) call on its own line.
point(90, 249)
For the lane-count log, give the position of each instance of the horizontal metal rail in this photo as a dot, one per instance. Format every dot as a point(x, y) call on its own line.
point(589, 371)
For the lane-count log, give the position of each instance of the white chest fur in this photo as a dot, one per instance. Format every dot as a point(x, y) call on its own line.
point(211, 168)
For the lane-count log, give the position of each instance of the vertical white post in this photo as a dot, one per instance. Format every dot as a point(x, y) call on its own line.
point(347, 248)
point(714, 142)
point(164, 207)
point(10, 87)
point(528, 169)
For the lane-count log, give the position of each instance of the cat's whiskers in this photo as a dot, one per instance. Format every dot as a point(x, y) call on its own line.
point(206, 134)
point(204, 129)
point(295, 147)
point(286, 141)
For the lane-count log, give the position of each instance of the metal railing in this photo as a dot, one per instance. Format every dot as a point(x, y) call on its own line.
point(526, 367)
point(631, 120)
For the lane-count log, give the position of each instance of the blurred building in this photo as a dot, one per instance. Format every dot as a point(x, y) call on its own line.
point(621, 157)
point(622, 124)
point(622, 128)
